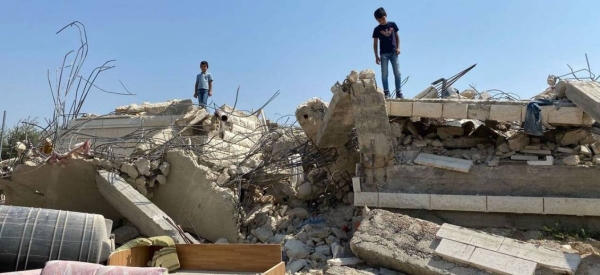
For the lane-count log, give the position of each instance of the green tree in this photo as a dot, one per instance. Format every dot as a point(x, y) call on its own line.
point(24, 130)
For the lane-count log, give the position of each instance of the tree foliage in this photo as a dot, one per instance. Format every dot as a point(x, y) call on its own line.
point(24, 130)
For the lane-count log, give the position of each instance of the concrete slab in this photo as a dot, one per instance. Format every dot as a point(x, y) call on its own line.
point(537, 152)
point(501, 263)
point(158, 121)
point(448, 163)
point(549, 258)
point(146, 216)
point(470, 237)
point(521, 205)
point(356, 184)
point(549, 161)
point(403, 109)
point(455, 110)
point(586, 94)
point(572, 206)
point(458, 203)
point(505, 112)
point(115, 122)
point(310, 116)
point(430, 110)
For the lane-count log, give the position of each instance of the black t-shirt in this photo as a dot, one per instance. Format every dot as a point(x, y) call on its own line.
point(387, 39)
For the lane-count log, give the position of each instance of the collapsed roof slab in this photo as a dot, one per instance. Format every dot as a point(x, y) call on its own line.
point(147, 217)
point(585, 94)
point(559, 114)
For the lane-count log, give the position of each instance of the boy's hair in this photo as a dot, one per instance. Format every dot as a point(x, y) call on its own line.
point(379, 13)
point(204, 63)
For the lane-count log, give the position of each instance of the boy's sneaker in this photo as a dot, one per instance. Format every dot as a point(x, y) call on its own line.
point(387, 94)
point(399, 95)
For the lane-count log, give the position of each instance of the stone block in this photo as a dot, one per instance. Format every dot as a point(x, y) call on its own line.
point(469, 236)
point(449, 163)
point(455, 251)
point(455, 110)
point(523, 157)
point(356, 184)
point(107, 133)
point(399, 108)
point(404, 201)
point(430, 110)
point(572, 206)
point(337, 122)
point(520, 205)
point(505, 112)
point(565, 115)
point(501, 263)
point(553, 259)
point(458, 203)
point(478, 111)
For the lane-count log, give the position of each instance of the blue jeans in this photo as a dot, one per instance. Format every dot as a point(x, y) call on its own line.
point(203, 97)
point(393, 58)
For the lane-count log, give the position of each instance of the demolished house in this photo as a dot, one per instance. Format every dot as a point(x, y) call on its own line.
point(469, 182)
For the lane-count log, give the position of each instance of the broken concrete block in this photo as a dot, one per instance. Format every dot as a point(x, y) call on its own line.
point(564, 115)
point(573, 137)
point(310, 116)
point(143, 166)
point(295, 249)
point(463, 142)
point(450, 132)
point(304, 191)
point(537, 152)
point(437, 143)
point(337, 122)
point(366, 74)
point(503, 148)
point(517, 141)
point(165, 168)
point(130, 170)
point(161, 179)
point(419, 143)
point(584, 150)
point(263, 234)
point(571, 160)
point(124, 234)
point(586, 95)
point(495, 161)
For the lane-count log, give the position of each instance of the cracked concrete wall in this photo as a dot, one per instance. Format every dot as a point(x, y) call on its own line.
point(67, 186)
point(188, 194)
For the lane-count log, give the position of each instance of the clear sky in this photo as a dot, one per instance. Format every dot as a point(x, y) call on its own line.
point(298, 47)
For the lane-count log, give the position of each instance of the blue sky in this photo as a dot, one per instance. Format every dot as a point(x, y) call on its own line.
point(298, 47)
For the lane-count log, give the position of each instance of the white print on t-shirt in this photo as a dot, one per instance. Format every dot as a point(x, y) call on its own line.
point(387, 32)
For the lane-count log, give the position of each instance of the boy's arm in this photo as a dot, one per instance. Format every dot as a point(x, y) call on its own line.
point(398, 42)
point(210, 88)
point(377, 60)
point(196, 88)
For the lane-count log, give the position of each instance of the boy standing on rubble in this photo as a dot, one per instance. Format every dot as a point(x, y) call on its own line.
point(203, 85)
point(387, 34)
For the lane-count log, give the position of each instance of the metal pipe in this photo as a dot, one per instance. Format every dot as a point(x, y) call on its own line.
point(2, 133)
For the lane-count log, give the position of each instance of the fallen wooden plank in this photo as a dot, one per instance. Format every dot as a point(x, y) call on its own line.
point(586, 95)
point(454, 164)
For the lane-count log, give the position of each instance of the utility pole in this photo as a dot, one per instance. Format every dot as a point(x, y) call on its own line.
point(2, 133)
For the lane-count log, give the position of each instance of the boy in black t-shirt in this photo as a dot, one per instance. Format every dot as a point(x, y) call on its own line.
point(387, 34)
